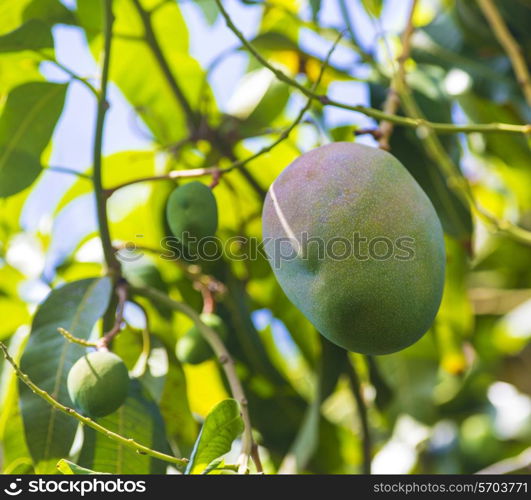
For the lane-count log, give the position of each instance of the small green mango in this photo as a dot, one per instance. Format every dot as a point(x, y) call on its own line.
point(356, 245)
point(98, 383)
point(192, 348)
point(192, 212)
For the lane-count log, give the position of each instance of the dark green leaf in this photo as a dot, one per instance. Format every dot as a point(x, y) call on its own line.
point(26, 126)
point(47, 360)
point(316, 7)
point(49, 11)
point(138, 418)
point(32, 35)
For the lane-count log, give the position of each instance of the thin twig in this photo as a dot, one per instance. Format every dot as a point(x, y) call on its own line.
point(192, 271)
point(225, 360)
point(217, 172)
point(453, 175)
point(75, 340)
point(129, 443)
point(69, 171)
point(112, 264)
point(70, 73)
point(373, 113)
point(172, 175)
point(140, 366)
point(392, 102)
point(355, 386)
point(508, 42)
point(121, 292)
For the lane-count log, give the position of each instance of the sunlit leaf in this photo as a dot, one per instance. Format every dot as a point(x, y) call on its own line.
point(222, 426)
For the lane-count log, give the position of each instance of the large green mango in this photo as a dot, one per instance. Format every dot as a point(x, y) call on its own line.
point(356, 245)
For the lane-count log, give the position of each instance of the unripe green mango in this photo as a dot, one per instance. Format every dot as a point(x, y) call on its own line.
point(370, 301)
point(98, 383)
point(192, 348)
point(192, 211)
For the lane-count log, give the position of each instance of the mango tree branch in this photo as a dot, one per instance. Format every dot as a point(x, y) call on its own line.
point(248, 446)
point(371, 112)
point(101, 208)
point(216, 172)
point(129, 443)
point(392, 102)
point(507, 41)
point(454, 178)
point(122, 292)
point(151, 39)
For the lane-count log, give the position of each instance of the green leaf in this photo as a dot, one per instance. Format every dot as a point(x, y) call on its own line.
point(32, 35)
point(47, 359)
point(373, 7)
point(133, 59)
point(222, 426)
point(49, 11)
point(138, 418)
point(26, 126)
point(316, 7)
point(210, 10)
point(68, 468)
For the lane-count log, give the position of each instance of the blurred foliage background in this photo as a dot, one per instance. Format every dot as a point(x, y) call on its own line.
point(458, 401)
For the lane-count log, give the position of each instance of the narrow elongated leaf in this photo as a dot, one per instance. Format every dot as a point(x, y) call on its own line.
point(26, 126)
point(47, 360)
point(32, 35)
point(222, 426)
point(138, 418)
